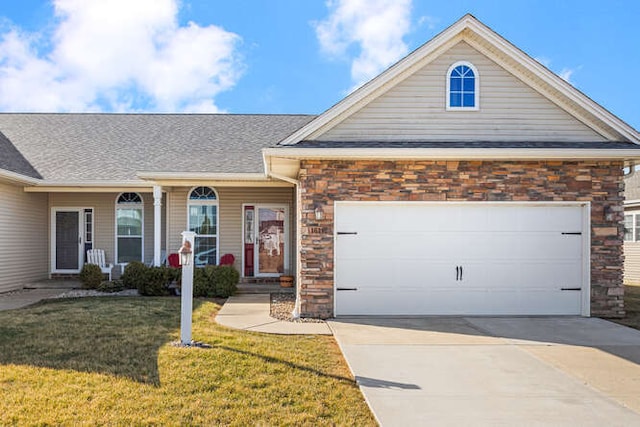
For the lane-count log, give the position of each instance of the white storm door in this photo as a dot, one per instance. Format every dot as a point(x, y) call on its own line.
point(272, 249)
point(67, 242)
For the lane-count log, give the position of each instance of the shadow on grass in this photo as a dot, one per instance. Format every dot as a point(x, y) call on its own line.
point(292, 365)
point(111, 335)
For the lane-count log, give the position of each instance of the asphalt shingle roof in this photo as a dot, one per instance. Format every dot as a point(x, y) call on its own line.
point(93, 147)
point(12, 160)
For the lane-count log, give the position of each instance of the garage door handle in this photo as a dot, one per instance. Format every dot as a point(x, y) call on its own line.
point(570, 289)
point(343, 233)
point(346, 289)
point(457, 273)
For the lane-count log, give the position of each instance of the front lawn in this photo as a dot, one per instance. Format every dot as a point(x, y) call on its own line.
point(110, 361)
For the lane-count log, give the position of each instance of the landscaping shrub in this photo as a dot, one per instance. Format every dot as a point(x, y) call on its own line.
point(113, 286)
point(156, 282)
point(203, 285)
point(226, 280)
point(215, 281)
point(91, 276)
point(134, 275)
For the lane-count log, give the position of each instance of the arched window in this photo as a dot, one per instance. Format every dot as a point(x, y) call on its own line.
point(462, 87)
point(203, 220)
point(129, 228)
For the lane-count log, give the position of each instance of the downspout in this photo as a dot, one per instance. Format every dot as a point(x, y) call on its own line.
point(267, 166)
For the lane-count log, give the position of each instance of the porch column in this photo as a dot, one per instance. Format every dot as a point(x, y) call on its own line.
point(157, 224)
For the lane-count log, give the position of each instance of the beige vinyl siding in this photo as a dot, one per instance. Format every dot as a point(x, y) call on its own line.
point(23, 237)
point(104, 214)
point(415, 110)
point(230, 201)
point(632, 263)
point(632, 255)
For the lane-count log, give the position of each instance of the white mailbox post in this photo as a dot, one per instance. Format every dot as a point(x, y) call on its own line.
point(186, 260)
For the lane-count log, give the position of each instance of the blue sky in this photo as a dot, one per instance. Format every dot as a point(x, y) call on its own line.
point(283, 56)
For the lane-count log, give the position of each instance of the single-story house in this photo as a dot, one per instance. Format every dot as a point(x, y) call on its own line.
point(465, 179)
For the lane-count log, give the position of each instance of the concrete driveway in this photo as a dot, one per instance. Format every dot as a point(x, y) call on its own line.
point(453, 371)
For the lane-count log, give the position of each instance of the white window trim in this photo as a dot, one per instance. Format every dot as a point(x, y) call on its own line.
point(634, 222)
point(115, 251)
point(216, 203)
point(476, 88)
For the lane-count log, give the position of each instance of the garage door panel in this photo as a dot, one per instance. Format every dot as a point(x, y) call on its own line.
point(514, 259)
point(447, 302)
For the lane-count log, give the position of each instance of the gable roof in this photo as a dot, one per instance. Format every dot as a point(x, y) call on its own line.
point(116, 147)
point(499, 50)
point(12, 160)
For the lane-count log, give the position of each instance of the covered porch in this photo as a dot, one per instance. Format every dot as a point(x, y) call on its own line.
point(251, 220)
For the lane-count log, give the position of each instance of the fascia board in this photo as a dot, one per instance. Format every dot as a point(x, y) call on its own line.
point(154, 176)
point(18, 178)
point(453, 153)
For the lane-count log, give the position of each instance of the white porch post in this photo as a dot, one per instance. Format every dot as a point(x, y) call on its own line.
point(157, 224)
point(186, 291)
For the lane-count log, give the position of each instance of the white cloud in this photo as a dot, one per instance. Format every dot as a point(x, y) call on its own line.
point(117, 55)
point(566, 73)
point(374, 27)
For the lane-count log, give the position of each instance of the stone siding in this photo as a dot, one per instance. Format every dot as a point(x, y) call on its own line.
point(324, 181)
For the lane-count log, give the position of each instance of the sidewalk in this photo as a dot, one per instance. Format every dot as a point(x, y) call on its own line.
point(250, 312)
point(25, 297)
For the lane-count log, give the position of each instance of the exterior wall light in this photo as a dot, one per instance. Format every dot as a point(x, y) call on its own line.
point(186, 255)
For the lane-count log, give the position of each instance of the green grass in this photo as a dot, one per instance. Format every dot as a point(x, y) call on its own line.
point(109, 361)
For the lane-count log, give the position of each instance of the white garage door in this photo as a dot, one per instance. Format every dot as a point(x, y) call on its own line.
point(459, 258)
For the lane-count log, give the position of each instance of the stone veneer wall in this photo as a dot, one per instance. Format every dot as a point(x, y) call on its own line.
point(324, 181)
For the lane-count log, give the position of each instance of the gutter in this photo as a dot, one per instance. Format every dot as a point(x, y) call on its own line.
point(453, 153)
point(205, 176)
point(269, 173)
point(18, 178)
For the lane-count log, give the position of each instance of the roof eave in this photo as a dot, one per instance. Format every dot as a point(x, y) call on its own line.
point(17, 178)
point(453, 153)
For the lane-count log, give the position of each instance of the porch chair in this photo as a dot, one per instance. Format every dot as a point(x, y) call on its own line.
point(174, 261)
point(227, 259)
point(96, 256)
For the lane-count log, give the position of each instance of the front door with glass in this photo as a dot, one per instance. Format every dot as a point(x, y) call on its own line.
point(265, 240)
point(67, 240)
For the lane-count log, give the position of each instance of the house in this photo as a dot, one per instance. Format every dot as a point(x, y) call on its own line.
point(465, 179)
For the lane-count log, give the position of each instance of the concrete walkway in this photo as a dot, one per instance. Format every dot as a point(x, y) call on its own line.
point(453, 371)
point(26, 297)
point(250, 312)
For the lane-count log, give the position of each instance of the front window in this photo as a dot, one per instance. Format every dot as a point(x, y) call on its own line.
point(632, 227)
point(129, 228)
point(203, 220)
point(462, 87)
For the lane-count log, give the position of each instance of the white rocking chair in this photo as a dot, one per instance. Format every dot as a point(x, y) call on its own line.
point(96, 256)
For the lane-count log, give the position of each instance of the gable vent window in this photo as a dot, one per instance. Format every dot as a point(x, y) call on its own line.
point(462, 87)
